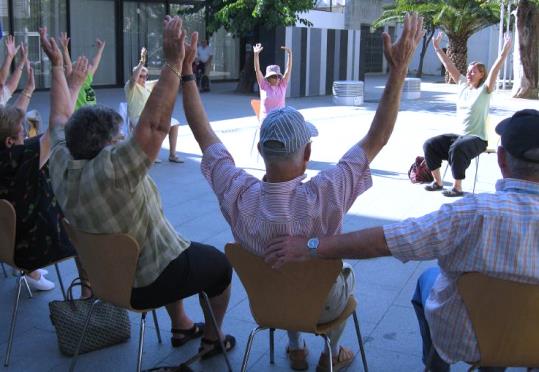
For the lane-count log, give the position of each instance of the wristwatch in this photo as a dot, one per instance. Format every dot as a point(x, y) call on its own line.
point(313, 244)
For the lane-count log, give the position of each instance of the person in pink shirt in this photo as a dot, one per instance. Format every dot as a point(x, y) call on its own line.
point(273, 85)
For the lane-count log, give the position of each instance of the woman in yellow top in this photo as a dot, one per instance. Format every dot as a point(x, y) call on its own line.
point(469, 138)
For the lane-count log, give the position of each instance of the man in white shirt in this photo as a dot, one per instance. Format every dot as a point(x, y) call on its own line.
point(204, 58)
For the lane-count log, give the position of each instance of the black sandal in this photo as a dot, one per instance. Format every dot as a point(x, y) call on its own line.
point(229, 342)
point(434, 186)
point(188, 334)
point(452, 193)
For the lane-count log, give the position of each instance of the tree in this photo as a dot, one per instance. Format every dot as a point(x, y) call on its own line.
point(460, 19)
point(395, 13)
point(245, 18)
point(527, 50)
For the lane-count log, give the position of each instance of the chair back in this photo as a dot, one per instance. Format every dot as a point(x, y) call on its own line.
point(110, 261)
point(505, 318)
point(8, 222)
point(291, 298)
point(255, 104)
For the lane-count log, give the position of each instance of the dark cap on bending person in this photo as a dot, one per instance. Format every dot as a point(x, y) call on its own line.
point(285, 131)
point(520, 135)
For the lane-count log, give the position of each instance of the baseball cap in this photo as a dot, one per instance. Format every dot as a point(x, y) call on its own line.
point(520, 135)
point(272, 70)
point(286, 127)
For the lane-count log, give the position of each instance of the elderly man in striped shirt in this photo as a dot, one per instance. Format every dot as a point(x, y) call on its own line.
point(496, 234)
point(282, 203)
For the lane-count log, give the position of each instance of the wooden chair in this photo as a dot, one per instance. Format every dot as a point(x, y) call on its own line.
point(110, 261)
point(493, 140)
point(255, 104)
point(8, 223)
point(505, 318)
point(287, 299)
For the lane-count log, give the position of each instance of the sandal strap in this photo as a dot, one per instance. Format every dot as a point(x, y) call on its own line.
point(187, 332)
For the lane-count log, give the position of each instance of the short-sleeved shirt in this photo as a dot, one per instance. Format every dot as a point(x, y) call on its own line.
point(271, 97)
point(495, 234)
point(472, 109)
point(112, 193)
point(137, 95)
point(204, 53)
point(86, 94)
point(40, 238)
point(259, 211)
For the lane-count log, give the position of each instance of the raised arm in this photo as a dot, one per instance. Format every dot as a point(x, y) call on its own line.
point(154, 122)
point(23, 100)
point(256, 53)
point(495, 69)
point(11, 51)
point(78, 74)
point(446, 61)
point(288, 70)
point(100, 46)
point(192, 105)
point(64, 41)
point(367, 243)
point(138, 69)
point(13, 80)
point(398, 57)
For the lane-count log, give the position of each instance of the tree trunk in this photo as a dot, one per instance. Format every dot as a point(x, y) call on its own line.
point(426, 41)
point(247, 74)
point(457, 51)
point(527, 24)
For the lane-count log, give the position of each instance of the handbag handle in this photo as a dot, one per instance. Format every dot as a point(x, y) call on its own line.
point(77, 282)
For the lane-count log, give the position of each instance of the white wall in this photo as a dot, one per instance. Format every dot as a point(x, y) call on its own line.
point(482, 47)
point(321, 19)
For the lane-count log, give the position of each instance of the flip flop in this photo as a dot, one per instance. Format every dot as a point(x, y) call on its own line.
point(188, 334)
point(434, 187)
point(229, 342)
point(452, 193)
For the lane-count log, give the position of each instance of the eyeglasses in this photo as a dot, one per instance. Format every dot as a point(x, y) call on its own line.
point(143, 76)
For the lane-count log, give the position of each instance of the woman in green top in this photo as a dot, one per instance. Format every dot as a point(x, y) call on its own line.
point(86, 94)
point(469, 139)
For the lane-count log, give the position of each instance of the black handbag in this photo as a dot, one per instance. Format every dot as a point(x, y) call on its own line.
point(109, 324)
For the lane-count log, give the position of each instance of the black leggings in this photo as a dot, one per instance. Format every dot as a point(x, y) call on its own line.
point(457, 150)
point(199, 268)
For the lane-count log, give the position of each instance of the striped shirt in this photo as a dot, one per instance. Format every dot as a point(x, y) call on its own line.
point(112, 193)
point(259, 211)
point(496, 234)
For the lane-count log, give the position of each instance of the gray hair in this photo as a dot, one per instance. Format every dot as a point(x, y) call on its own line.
point(272, 157)
point(90, 129)
point(523, 169)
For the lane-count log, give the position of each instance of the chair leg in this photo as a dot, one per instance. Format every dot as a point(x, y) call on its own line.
point(156, 324)
point(272, 345)
point(141, 341)
point(360, 341)
point(254, 141)
point(4, 270)
point(330, 354)
point(248, 347)
point(23, 278)
point(77, 350)
point(14, 319)
point(206, 301)
point(445, 172)
point(60, 281)
point(476, 170)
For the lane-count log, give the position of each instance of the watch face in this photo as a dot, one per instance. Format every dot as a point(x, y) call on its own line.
point(313, 243)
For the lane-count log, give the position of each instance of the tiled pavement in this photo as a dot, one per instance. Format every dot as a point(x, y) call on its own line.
point(384, 286)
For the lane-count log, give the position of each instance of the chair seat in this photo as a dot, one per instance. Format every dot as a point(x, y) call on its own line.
point(324, 328)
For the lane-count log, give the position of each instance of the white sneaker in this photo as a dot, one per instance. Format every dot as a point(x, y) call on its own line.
point(43, 284)
point(16, 272)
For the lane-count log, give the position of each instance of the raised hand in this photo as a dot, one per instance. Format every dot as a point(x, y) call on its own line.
point(437, 40)
point(64, 40)
point(79, 73)
point(11, 49)
point(99, 44)
point(258, 48)
point(190, 54)
point(24, 53)
point(398, 55)
point(507, 42)
point(49, 46)
point(287, 49)
point(143, 55)
point(173, 41)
